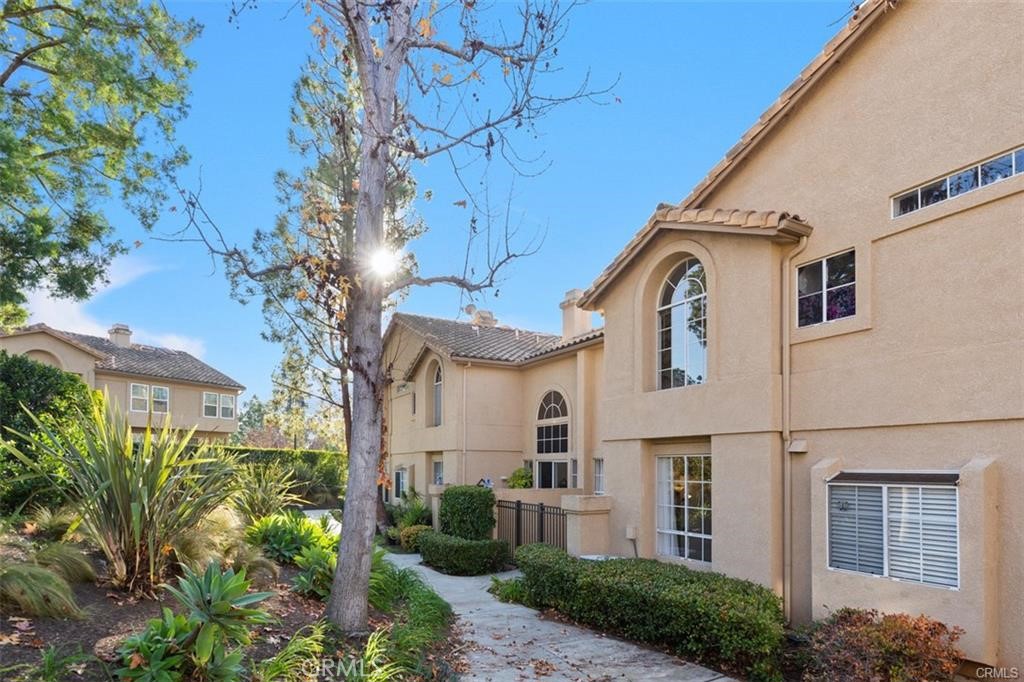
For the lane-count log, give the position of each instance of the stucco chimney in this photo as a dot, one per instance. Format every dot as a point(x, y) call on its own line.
point(575, 320)
point(121, 334)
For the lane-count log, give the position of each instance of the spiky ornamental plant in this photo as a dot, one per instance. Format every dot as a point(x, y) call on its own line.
point(135, 499)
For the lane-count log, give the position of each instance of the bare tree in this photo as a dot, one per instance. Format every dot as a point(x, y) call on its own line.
point(333, 274)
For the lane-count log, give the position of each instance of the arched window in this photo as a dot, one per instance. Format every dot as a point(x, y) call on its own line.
point(552, 439)
point(682, 326)
point(436, 395)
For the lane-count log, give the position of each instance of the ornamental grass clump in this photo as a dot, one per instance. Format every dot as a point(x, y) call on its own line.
point(135, 499)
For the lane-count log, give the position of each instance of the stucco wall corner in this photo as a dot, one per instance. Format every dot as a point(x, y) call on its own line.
point(820, 473)
point(979, 555)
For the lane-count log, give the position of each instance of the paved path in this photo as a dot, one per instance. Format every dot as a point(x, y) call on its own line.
point(511, 643)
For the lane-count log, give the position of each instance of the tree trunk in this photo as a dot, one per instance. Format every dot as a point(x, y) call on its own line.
point(348, 607)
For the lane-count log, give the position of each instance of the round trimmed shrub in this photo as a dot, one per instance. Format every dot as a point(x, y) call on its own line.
point(467, 511)
point(409, 537)
point(458, 556)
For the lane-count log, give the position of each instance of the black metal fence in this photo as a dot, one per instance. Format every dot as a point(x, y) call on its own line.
point(523, 523)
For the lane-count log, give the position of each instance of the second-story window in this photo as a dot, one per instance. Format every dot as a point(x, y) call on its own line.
point(438, 391)
point(161, 399)
point(826, 289)
point(140, 398)
point(552, 425)
point(682, 326)
point(227, 406)
point(211, 405)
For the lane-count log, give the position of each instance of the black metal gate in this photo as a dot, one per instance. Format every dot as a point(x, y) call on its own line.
point(523, 523)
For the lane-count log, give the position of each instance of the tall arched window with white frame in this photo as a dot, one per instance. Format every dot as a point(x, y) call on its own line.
point(552, 439)
point(682, 326)
point(438, 391)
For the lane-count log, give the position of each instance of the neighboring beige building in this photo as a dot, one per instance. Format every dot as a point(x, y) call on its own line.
point(141, 380)
point(842, 392)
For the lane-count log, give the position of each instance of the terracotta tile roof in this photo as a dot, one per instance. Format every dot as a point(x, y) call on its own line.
point(458, 339)
point(863, 16)
point(777, 225)
point(150, 361)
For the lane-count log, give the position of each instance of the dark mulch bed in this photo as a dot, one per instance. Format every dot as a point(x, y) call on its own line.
point(111, 616)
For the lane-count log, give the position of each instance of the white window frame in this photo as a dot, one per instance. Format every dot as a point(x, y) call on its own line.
point(599, 475)
point(437, 415)
point(401, 476)
point(226, 398)
point(215, 404)
point(885, 532)
point(132, 397)
point(685, 533)
point(574, 473)
point(552, 421)
point(153, 400)
point(658, 330)
point(554, 471)
point(437, 471)
point(824, 289)
point(1015, 169)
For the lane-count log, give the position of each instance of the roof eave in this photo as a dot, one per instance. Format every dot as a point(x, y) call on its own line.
point(804, 83)
point(55, 333)
point(180, 380)
point(788, 230)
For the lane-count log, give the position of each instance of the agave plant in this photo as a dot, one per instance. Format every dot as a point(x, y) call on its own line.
point(135, 499)
point(218, 601)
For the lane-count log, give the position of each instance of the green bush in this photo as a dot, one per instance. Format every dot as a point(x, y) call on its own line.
point(467, 511)
point(521, 478)
point(862, 646)
point(409, 537)
point(720, 620)
point(34, 590)
point(458, 556)
point(512, 591)
point(56, 398)
point(135, 498)
point(317, 572)
point(413, 512)
point(264, 489)
point(204, 643)
point(419, 616)
point(283, 536)
point(320, 475)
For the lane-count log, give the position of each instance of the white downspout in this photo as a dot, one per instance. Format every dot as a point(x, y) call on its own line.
point(787, 467)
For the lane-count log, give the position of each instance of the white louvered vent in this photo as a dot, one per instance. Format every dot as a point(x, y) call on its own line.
point(856, 528)
point(907, 532)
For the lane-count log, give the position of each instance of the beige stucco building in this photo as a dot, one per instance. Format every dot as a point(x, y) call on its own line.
point(144, 381)
point(821, 349)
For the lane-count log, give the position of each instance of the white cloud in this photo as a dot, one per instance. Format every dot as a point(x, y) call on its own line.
point(74, 316)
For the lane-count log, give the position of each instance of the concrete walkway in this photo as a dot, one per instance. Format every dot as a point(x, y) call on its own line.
point(509, 643)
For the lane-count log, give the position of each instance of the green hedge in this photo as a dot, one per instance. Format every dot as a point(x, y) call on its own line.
point(698, 614)
point(458, 556)
point(320, 475)
point(467, 511)
point(55, 397)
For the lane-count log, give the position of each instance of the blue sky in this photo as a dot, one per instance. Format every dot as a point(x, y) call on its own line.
point(692, 77)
